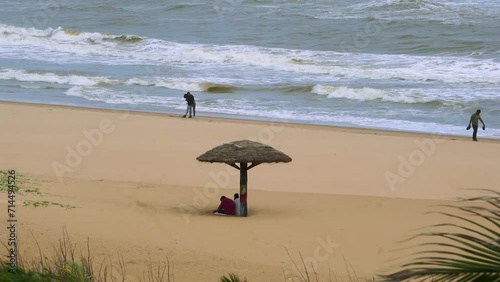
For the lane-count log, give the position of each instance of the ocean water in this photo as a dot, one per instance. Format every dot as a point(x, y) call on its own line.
point(409, 65)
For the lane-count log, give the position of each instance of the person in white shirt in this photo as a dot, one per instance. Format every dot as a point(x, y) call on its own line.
point(237, 203)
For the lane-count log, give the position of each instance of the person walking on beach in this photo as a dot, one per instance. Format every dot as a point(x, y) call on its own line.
point(191, 105)
point(475, 118)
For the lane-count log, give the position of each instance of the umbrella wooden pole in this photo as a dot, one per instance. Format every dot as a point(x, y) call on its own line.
point(248, 154)
point(243, 189)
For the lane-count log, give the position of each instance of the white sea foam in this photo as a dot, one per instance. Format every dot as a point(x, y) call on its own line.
point(201, 85)
point(110, 96)
point(447, 12)
point(457, 69)
point(369, 94)
point(139, 81)
point(246, 108)
point(62, 46)
point(160, 82)
point(80, 80)
point(363, 94)
point(22, 75)
point(179, 85)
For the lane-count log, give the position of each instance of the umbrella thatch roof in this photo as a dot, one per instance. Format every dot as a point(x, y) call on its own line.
point(244, 151)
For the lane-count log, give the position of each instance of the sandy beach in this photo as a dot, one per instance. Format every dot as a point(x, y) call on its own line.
point(130, 182)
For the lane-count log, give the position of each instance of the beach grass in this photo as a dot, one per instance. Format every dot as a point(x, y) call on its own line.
point(65, 265)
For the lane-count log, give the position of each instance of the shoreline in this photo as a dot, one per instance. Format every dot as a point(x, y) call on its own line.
point(399, 164)
point(256, 120)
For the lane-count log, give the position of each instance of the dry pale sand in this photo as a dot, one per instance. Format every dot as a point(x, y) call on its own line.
point(345, 200)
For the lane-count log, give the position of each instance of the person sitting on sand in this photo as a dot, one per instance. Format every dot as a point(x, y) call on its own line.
point(237, 203)
point(226, 207)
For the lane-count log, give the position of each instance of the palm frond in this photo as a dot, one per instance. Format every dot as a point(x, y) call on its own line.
point(231, 277)
point(470, 252)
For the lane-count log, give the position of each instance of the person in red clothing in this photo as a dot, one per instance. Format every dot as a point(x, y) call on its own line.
point(226, 207)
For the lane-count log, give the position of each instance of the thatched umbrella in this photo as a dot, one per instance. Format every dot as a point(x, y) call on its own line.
point(248, 154)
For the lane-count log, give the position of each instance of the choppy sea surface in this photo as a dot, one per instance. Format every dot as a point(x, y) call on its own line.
point(409, 65)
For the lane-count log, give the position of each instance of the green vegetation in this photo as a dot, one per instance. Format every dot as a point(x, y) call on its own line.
point(22, 275)
point(471, 252)
point(46, 204)
point(33, 191)
point(4, 182)
point(22, 183)
point(231, 277)
point(65, 266)
point(22, 186)
point(36, 204)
